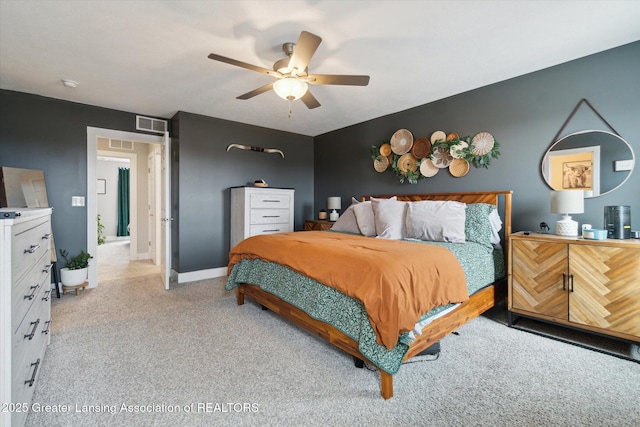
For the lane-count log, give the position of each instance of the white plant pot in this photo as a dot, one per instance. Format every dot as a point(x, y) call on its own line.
point(73, 277)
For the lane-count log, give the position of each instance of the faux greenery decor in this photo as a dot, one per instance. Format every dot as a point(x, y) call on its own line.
point(101, 237)
point(459, 147)
point(75, 262)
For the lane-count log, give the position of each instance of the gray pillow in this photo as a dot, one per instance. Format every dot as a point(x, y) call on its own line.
point(478, 225)
point(389, 218)
point(347, 222)
point(436, 220)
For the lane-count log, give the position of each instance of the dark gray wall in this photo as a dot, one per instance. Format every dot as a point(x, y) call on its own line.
point(51, 135)
point(523, 114)
point(207, 172)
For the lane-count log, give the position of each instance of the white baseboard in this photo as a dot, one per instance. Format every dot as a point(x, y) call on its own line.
point(193, 276)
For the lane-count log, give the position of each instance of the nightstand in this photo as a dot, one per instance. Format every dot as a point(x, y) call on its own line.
point(318, 225)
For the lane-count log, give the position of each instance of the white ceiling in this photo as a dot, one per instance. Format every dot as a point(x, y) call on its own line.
point(150, 57)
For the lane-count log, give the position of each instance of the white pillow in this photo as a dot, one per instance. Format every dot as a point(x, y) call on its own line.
point(347, 222)
point(364, 217)
point(435, 220)
point(389, 218)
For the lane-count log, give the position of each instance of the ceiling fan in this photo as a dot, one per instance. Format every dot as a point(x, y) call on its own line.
point(291, 73)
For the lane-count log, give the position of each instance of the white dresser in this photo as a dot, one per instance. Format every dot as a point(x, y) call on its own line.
point(25, 306)
point(256, 210)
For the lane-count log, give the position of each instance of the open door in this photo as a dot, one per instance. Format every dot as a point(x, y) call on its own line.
point(165, 211)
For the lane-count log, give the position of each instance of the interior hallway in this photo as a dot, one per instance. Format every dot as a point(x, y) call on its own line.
point(113, 262)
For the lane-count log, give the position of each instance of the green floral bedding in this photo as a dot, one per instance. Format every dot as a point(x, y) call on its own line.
point(482, 266)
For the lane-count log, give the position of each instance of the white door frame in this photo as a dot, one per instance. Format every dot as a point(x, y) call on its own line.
point(154, 177)
point(93, 134)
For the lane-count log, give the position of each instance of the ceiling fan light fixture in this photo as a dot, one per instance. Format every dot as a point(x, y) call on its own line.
point(290, 88)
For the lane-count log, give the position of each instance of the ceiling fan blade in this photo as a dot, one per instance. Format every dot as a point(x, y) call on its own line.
point(244, 65)
point(304, 50)
point(256, 92)
point(309, 100)
point(336, 79)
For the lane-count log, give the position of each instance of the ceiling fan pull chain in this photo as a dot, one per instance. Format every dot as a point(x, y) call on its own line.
point(290, 109)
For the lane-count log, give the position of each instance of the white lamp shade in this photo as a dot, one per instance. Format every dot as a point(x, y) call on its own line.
point(567, 201)
point(290, 88)
point(334, 203)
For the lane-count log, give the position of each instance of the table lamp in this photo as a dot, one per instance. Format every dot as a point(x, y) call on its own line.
point(567, 202)
point(333, 204)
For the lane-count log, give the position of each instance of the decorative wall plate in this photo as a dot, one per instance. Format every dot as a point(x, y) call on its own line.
point(407, 163)
point(456, 150)
point(441, 158)
point(452, 136)
point(385, 150)
point(401, 141)
point(482, 143)
point(381, 163)
point(438, 136)
point(459, 167)
point(428, 169)
point(421, 148)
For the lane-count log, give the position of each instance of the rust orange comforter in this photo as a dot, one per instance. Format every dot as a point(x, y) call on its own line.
point(396, 281)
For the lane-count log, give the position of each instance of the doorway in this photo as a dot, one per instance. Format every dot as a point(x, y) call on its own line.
point(123, 258)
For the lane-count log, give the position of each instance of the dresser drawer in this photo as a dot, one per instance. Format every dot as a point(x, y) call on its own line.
point(269, 229)
point(269, 216)
point(32, 333)
point(277, 200)
point(30, 241)
point(28, 353)
point(26, 290)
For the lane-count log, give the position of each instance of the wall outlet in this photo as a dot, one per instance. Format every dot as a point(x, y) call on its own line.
point(623, 165)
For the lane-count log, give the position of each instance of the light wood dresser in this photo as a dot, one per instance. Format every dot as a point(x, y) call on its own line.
point(591, 285)
point(256, 210)
point(25, 306)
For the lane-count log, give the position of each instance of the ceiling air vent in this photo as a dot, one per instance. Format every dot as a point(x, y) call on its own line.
point(151, 125)
point(121, 144)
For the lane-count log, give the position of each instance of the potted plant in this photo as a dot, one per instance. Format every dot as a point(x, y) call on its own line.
point(75, 269)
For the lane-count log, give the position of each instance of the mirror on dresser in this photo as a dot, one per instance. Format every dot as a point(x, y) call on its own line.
point(25, 188)
point(595, 161)
point(22, 188)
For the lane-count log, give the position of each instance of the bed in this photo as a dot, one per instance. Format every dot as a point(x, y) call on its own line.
point(370, 330)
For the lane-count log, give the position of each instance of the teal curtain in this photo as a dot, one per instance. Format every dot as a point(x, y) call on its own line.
point(123, 202)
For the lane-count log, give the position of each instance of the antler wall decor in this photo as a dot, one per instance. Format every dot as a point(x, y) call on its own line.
point(258, 149)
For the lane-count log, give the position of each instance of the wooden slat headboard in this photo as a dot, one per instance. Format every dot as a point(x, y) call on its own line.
point(491, 197)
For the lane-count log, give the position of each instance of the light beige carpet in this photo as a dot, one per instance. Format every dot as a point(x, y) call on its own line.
point(129, 353)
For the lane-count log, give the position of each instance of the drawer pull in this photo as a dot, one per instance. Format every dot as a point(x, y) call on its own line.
point(46, 330)
point(46, 295)
point(33, 376)
point(48, 268)
point(271, 231)
point(46, 236)
point(34, 289)
point(271, 201)
point(270, 216)
point(571, 279)
point(32, 249)
point(33, 331)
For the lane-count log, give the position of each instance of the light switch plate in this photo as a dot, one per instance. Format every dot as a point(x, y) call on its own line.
point(623, 165)
point(77, 201)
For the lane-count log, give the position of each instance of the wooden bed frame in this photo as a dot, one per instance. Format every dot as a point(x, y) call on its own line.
point(477, 304)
